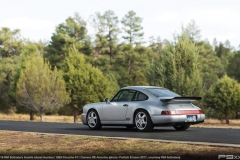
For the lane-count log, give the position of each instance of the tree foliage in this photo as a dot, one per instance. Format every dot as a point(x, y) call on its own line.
point(100, 42)
point(111, 24)
point(209, 64)
point(224, 53)
point(107, 30)
point(85, 83)
point(192, 31)
point(233, 69)
point(156, 45)
point(224, 97)
point(71, 33)
point(177, 69)
point(8, 68)
point(10, 42)
point(132, 28)
point(112, 85)
point(115, 57)
point(129, 62)
point(39, 88)
point(30, 51)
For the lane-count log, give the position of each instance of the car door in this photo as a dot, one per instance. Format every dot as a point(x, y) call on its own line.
point(116, 109)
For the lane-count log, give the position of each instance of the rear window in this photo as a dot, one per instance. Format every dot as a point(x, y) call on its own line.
point(161, 92)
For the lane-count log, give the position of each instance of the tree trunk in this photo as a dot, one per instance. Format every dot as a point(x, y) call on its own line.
point(75, 114)
point(31, 116)
point(129, 70)
point(110, 55)
point(226, 118)
point(41, 117)
point(129, 67)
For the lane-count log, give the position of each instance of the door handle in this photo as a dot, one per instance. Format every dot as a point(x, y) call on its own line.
point(125, 105)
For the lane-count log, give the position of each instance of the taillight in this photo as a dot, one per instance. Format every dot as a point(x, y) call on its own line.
point(168, 112)
point(200, 111)
point(182, 112)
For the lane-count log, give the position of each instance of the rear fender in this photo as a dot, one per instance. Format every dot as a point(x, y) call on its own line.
point(149, 109)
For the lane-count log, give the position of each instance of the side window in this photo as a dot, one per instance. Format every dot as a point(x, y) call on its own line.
point(116, 96)
point(124, 95)
point(140, 97)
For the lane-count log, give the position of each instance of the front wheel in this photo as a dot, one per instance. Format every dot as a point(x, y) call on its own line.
point(143, 121)
point(182, 128)
point(93, 120)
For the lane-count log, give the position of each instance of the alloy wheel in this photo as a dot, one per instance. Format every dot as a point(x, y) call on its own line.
point(141, 120)
point(92, 119)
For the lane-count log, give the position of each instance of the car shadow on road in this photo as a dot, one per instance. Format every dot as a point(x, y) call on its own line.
point(117, 129)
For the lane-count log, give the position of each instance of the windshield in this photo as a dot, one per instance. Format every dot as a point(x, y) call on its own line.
point(161, 92)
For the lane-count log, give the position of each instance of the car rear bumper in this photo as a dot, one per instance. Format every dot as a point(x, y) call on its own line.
point(175, 119)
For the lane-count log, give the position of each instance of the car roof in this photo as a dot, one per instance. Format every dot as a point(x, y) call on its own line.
point(141, 87)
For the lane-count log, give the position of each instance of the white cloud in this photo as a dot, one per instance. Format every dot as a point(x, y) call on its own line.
point(167, 17)
point(27, 23)
point(220, 17)
point(219, 22)
point(216, 18)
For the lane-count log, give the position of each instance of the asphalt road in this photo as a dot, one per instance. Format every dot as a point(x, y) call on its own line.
point(212, 135)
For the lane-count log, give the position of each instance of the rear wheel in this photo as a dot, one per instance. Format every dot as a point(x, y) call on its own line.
point(143, 121)
point(182, 127)
point(93, 120)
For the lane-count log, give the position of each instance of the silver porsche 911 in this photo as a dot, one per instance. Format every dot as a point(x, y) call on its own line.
point(143, 107)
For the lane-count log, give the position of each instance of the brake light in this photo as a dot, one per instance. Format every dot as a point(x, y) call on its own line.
point(168, 112)
point(182, 112)
point(200, 111)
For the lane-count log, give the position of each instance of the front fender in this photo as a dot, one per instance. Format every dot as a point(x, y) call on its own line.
point(88, 107)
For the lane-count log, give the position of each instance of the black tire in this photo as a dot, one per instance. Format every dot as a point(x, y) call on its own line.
point(182, 128)
point(93, 120)
point(143, 121)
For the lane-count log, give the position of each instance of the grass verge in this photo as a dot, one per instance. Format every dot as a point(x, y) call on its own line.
point(33, 144)
point(47, 118)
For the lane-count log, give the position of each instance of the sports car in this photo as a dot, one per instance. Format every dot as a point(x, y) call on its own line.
point(143, 107)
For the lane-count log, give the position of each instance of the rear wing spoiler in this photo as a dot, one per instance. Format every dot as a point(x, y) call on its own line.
point(180, 99)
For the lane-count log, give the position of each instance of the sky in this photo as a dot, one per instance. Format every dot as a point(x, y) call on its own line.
point(37, 19)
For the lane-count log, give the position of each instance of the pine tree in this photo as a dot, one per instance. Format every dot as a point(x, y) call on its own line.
point(106, 26)
point(10, 42)
point(210, 66)
point(224, 54)
point(72, 32)
point(224, 97)
point(132, 28)
point(192, 31)
point(39, 88)
point(177, 68)
point(30, 51)
point(85, 83)
point(129, 62)
point(233, 69)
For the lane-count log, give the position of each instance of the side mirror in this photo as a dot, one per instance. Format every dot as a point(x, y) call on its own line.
point(106, 100)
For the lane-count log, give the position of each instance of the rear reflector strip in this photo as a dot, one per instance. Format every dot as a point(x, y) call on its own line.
point(82, 116)
point(182, 112)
